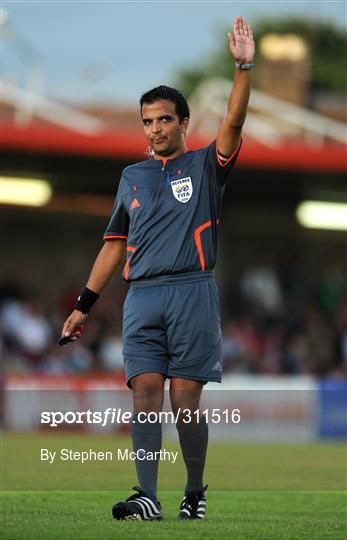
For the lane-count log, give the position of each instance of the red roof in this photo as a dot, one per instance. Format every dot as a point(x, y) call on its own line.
point(129, 144)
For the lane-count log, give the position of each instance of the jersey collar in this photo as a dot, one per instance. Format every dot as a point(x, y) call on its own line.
point(164, 162)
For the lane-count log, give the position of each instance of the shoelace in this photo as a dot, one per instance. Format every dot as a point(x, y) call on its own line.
point(139, 494)
point(191, 502)
point(192, 499)
point(136, 495)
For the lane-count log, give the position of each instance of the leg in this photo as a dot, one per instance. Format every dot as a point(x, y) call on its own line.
point(148, 392)
point(194, 345)
point(193, 436)
point(148, 396)
point(145, 361)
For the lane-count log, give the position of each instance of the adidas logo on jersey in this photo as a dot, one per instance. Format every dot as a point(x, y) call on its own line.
point(135, 204)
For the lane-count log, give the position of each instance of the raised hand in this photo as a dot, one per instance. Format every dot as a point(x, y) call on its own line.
point(241, 42)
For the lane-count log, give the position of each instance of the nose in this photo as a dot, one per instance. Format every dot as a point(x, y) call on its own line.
point(156, 126)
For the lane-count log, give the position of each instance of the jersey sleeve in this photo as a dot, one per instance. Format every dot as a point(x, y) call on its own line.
point(221, 165)
point(119, 222)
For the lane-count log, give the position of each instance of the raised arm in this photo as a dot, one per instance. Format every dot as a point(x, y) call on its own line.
point(241, 47)
point(109, 258)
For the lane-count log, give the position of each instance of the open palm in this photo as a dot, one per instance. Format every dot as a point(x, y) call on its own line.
point(241, 42)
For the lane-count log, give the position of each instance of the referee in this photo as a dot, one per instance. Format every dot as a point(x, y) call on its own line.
point(164, 222)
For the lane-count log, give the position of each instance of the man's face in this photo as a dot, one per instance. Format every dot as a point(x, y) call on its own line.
point(163, 130)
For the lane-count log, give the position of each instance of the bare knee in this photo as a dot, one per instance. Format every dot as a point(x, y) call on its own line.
point(185, 394)
point(148, 392)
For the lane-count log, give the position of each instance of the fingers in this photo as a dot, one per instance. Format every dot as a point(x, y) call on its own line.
point(72, 336)
point(67, 328)
point(76, 335)
point(231, 38)
point(73, 324)
point(70, 326)
point(242, 28)
point(236, 25)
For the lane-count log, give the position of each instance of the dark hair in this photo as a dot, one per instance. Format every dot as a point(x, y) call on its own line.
point(171, 94)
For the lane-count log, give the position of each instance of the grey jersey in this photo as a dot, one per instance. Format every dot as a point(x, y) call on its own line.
point(169, 213)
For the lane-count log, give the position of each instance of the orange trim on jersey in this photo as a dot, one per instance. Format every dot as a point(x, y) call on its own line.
point(224, 163)
point(131, 249)
point(110, 236)
point(197, 238)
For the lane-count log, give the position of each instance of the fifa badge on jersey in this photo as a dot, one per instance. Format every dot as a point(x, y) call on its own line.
point(182, 189)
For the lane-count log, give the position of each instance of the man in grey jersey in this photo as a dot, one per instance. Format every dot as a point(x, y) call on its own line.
point(165, 221)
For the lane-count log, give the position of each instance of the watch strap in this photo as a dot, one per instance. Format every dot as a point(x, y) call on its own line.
point(244, 67)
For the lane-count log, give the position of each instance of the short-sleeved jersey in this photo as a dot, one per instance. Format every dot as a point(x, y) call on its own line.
point(169, 212)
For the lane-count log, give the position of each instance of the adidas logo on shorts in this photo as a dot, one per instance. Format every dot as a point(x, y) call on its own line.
point(217, 366)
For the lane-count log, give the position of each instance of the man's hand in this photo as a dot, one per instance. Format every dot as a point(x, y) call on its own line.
point(241, 43)
point(72, 326)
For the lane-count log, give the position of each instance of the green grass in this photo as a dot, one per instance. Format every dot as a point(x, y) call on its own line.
point(240, 467)
point(87, 516)
point(255, 492)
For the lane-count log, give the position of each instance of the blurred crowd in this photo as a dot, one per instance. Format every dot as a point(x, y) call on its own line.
point(283, 321)
point(274, 322)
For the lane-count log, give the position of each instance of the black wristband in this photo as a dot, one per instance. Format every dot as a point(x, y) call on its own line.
point(86, 300)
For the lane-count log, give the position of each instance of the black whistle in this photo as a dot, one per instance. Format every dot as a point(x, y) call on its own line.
point(64, 340)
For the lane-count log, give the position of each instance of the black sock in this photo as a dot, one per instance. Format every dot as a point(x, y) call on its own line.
point(193, 439)
point(147, 436)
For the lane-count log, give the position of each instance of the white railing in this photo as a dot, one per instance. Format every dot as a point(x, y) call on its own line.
point(48, 109)
point(269, 119)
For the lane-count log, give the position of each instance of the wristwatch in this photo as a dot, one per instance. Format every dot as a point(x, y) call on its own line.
point(244, 66)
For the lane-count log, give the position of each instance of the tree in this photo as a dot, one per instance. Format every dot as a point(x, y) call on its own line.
point(326, 42)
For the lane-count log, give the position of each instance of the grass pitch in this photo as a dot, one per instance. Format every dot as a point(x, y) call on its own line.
point(256, 492)
point(242, 515)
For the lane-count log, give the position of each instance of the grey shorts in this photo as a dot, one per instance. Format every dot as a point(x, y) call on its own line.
point(171, 325)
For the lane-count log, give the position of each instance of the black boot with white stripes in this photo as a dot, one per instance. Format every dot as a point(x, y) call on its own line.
point(193, 505)
point(138, 507)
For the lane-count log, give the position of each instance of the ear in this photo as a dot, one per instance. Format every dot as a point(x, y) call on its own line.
point(184, 125)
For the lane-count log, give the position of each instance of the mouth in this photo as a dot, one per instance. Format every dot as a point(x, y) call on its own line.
point(159, 140)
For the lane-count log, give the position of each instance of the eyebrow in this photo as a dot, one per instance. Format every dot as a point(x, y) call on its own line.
point(159, 118)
